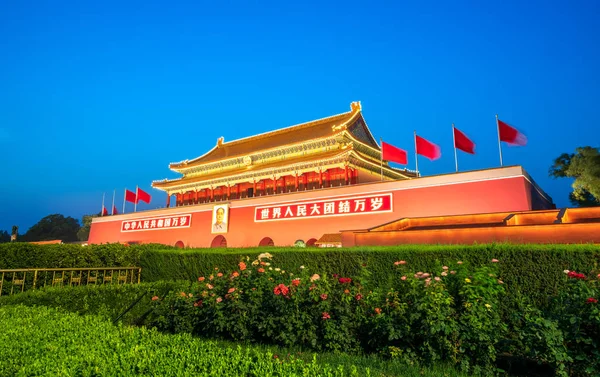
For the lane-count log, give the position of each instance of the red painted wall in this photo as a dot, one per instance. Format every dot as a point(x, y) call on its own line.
point(494, 190)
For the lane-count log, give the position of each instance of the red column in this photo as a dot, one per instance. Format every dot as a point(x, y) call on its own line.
point(212, 194)
point(168, 200)
point(320, 178)
point(195, 197)
point(228, 191)
point(296, 183)
point(346, 174)
point(254, 187)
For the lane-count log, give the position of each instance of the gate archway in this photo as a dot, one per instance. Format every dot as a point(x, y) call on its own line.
point(267, 241)
point(219, 241)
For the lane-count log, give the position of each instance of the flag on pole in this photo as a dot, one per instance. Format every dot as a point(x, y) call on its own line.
point(462, 142)
point(104, 211)
point(130, 196)
point(115, 212)
point(394, 154)
point(143, 196)
point(510, 135)
point(426, 148)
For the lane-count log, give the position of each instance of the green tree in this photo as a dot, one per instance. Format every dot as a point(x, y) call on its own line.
point(4, 236)
point(584, 166)
point(14, 233)
point(53, 227)
point(84, 232)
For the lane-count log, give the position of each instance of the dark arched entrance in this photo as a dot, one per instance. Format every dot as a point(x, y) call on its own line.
point(219, 241)
point(179, 244)
point(267, 241)
point(311, 242)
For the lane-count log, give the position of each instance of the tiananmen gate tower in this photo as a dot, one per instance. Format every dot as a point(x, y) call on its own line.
point(309, 182)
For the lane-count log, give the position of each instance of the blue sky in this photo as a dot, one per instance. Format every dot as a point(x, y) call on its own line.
point(98, 96)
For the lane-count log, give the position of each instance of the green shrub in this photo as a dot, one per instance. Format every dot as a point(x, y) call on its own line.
point(108, 301)
point(47, 342)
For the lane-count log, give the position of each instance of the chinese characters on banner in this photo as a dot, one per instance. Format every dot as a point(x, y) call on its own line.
point(324, 208)
point(163, 222)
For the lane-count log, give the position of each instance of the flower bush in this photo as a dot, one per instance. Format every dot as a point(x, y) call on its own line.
point(448, 315)
point(451, 314)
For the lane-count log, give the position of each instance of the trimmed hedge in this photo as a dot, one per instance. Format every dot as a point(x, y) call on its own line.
point(25, 255)
point(533, 271)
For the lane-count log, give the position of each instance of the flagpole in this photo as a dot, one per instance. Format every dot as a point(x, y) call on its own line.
point(124, 195)
point(416, 155)
point(381, 142)
point(499, 143)
point(102, 210)
point(135, 203)
point(454, 141)
point(112, 210)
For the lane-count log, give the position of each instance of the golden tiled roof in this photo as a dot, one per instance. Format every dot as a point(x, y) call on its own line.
point(330, 238)
point(261, 167)
point(290, 135)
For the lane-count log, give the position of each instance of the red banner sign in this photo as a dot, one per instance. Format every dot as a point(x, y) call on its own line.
point(325, 208)
point(163, 222)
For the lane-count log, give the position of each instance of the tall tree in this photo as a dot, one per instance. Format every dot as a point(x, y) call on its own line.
point(4, 236)
point(84, 232)
point(584, 166)
point(53, 227)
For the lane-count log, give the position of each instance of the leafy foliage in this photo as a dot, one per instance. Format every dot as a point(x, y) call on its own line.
point(584, 166)
point(4, 236)
point(84, 232)
point(53, 227)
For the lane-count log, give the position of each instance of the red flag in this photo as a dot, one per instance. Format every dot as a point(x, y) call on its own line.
point(391, 153)
point(115, 212)
point(510, 134)
point(428, 149)
point(462, 142)
point(143, 196)
point(104, 211)
point(129, 196)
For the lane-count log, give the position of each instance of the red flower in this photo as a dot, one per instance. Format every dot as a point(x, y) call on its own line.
point(154, 298)
point(399, 262)
point(325, 316)
point(358, 297)
point(324, 296)
point(281, 289)
point(261, 270)
point(592, 300)
point(198, 303)
point(296, 282)
point(575, 275)
point(242, 266)
point(201, 278)
point(345, 280)
point(378, 310)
